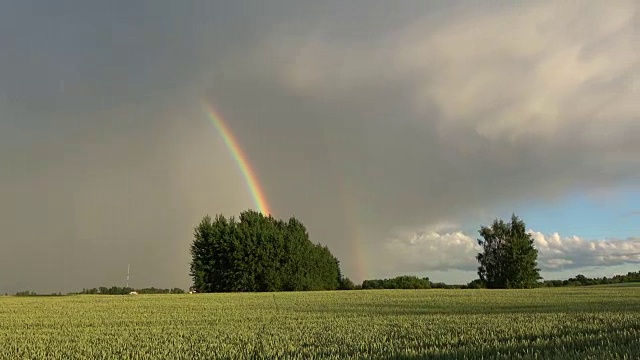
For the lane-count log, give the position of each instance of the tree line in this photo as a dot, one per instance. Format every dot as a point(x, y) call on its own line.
point(103, 290)
point(578, 280)
point(259, 253)
point(117, 290)
point(400, 282)
point(581, 280)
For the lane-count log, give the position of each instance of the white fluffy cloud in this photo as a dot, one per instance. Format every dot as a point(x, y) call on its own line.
point(433, 250)
point(557, 252)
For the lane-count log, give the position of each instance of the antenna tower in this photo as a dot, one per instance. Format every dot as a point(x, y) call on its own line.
point(127, 275)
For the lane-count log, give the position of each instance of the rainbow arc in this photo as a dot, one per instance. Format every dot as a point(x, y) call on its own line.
point(240, 158)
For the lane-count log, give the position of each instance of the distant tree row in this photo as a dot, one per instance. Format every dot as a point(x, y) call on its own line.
point(260, 253)
point(117, 290)
point(578, 280)
point(400, 282)
point(581, 280)
point(114, 290)
point(413, 282)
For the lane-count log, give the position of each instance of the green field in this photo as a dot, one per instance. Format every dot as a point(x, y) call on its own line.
point(564, 323)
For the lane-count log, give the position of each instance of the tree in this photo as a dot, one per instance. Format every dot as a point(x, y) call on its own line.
point(475, 284)
point(509, 258)
point(346, 284)
point(259, 253)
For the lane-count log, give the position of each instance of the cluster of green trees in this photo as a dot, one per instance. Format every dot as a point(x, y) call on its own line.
point(260, 253)
point(400, 282)
point(117, 290)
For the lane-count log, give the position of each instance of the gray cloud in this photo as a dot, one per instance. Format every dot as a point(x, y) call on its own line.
point(431, 123)
point(108, 158)
point(365, 120)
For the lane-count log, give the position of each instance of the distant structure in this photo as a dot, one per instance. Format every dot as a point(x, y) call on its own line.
point(133, 293)
point(127, 275)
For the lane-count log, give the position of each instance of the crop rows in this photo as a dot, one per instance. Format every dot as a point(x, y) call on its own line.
point(580, 323)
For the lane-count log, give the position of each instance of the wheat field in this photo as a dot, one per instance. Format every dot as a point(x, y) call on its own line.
point(561, 323)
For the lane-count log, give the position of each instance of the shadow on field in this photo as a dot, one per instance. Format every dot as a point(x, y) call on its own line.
point(610, 305)
point(616, 343)
point(603, 343)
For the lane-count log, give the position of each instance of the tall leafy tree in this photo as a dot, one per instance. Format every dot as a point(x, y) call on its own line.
point(259, 253)
point(509, 257)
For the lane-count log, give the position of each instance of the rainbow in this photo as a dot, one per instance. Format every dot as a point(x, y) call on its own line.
point(241, 159)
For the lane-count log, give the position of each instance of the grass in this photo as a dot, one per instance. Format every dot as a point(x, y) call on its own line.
point(628, 284)
point(563, 323)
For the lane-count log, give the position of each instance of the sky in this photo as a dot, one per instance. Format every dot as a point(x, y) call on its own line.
point(392, 130)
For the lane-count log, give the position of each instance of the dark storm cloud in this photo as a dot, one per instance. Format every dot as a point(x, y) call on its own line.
point(99, 141)
point(434, 121)
point(360, 118)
